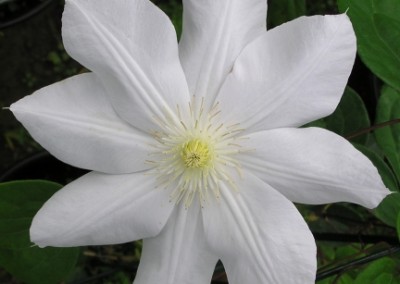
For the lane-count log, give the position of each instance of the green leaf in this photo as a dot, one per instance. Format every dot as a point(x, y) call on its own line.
point(388, 138)
point(376, 24)
point(388, 209)
point(387, 7)
point(385, 278)
point(349, 117)
point(353, 115)
point(388, 29)
point(39, 265)
point(337, 279)
point(282, 11)
point(348, 251)
point(376, 269)
point(19, 202)
point(398, 225)
point(389, 179)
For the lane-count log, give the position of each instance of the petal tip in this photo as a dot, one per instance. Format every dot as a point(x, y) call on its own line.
point(385, 192)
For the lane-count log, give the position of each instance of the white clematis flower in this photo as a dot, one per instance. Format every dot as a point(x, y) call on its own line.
point(195, 147)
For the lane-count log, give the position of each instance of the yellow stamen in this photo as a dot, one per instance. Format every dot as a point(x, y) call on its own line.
point(196, 154)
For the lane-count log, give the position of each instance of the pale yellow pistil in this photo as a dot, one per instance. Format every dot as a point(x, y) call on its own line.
point(196, 154)
point(193, 154)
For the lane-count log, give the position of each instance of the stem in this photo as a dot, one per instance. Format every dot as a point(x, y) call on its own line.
point(352, 238)
point(372, 128)
point(357, 262)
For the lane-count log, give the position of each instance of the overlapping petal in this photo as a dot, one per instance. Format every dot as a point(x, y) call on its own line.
point(214, 33)
point(99, 209)
point(313, 166)
point(74, 121)
point(292, 75)
point(132, 47)
point(259, 235)
point(179, 255)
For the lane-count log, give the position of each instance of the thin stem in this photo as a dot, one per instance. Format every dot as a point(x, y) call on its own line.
point(353, 238)
point(372, 128)
point(357, 262)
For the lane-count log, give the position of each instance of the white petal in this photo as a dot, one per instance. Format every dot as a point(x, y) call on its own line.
point(214, 33)
point(292, 75)
point(259, 235)
point(99, 209)
point(313, 166)
point(74, 121)
point(132, 47)
point(179, 255)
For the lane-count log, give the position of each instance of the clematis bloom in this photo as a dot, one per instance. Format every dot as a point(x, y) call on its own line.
point(195, 147)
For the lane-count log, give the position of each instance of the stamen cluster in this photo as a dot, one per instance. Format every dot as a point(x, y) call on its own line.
point(193, 155)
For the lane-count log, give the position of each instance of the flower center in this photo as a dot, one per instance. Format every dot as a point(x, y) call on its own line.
point(196, 154)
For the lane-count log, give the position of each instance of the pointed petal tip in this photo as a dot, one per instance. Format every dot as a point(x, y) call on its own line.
point(38, 236)
point(40, 233)
point(88, 212)
point(379, 196)
point(338, 172)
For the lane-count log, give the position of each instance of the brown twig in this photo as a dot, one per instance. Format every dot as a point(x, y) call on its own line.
point(372, 128)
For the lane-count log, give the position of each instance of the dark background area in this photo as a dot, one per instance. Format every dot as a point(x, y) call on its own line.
point(31, 56)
